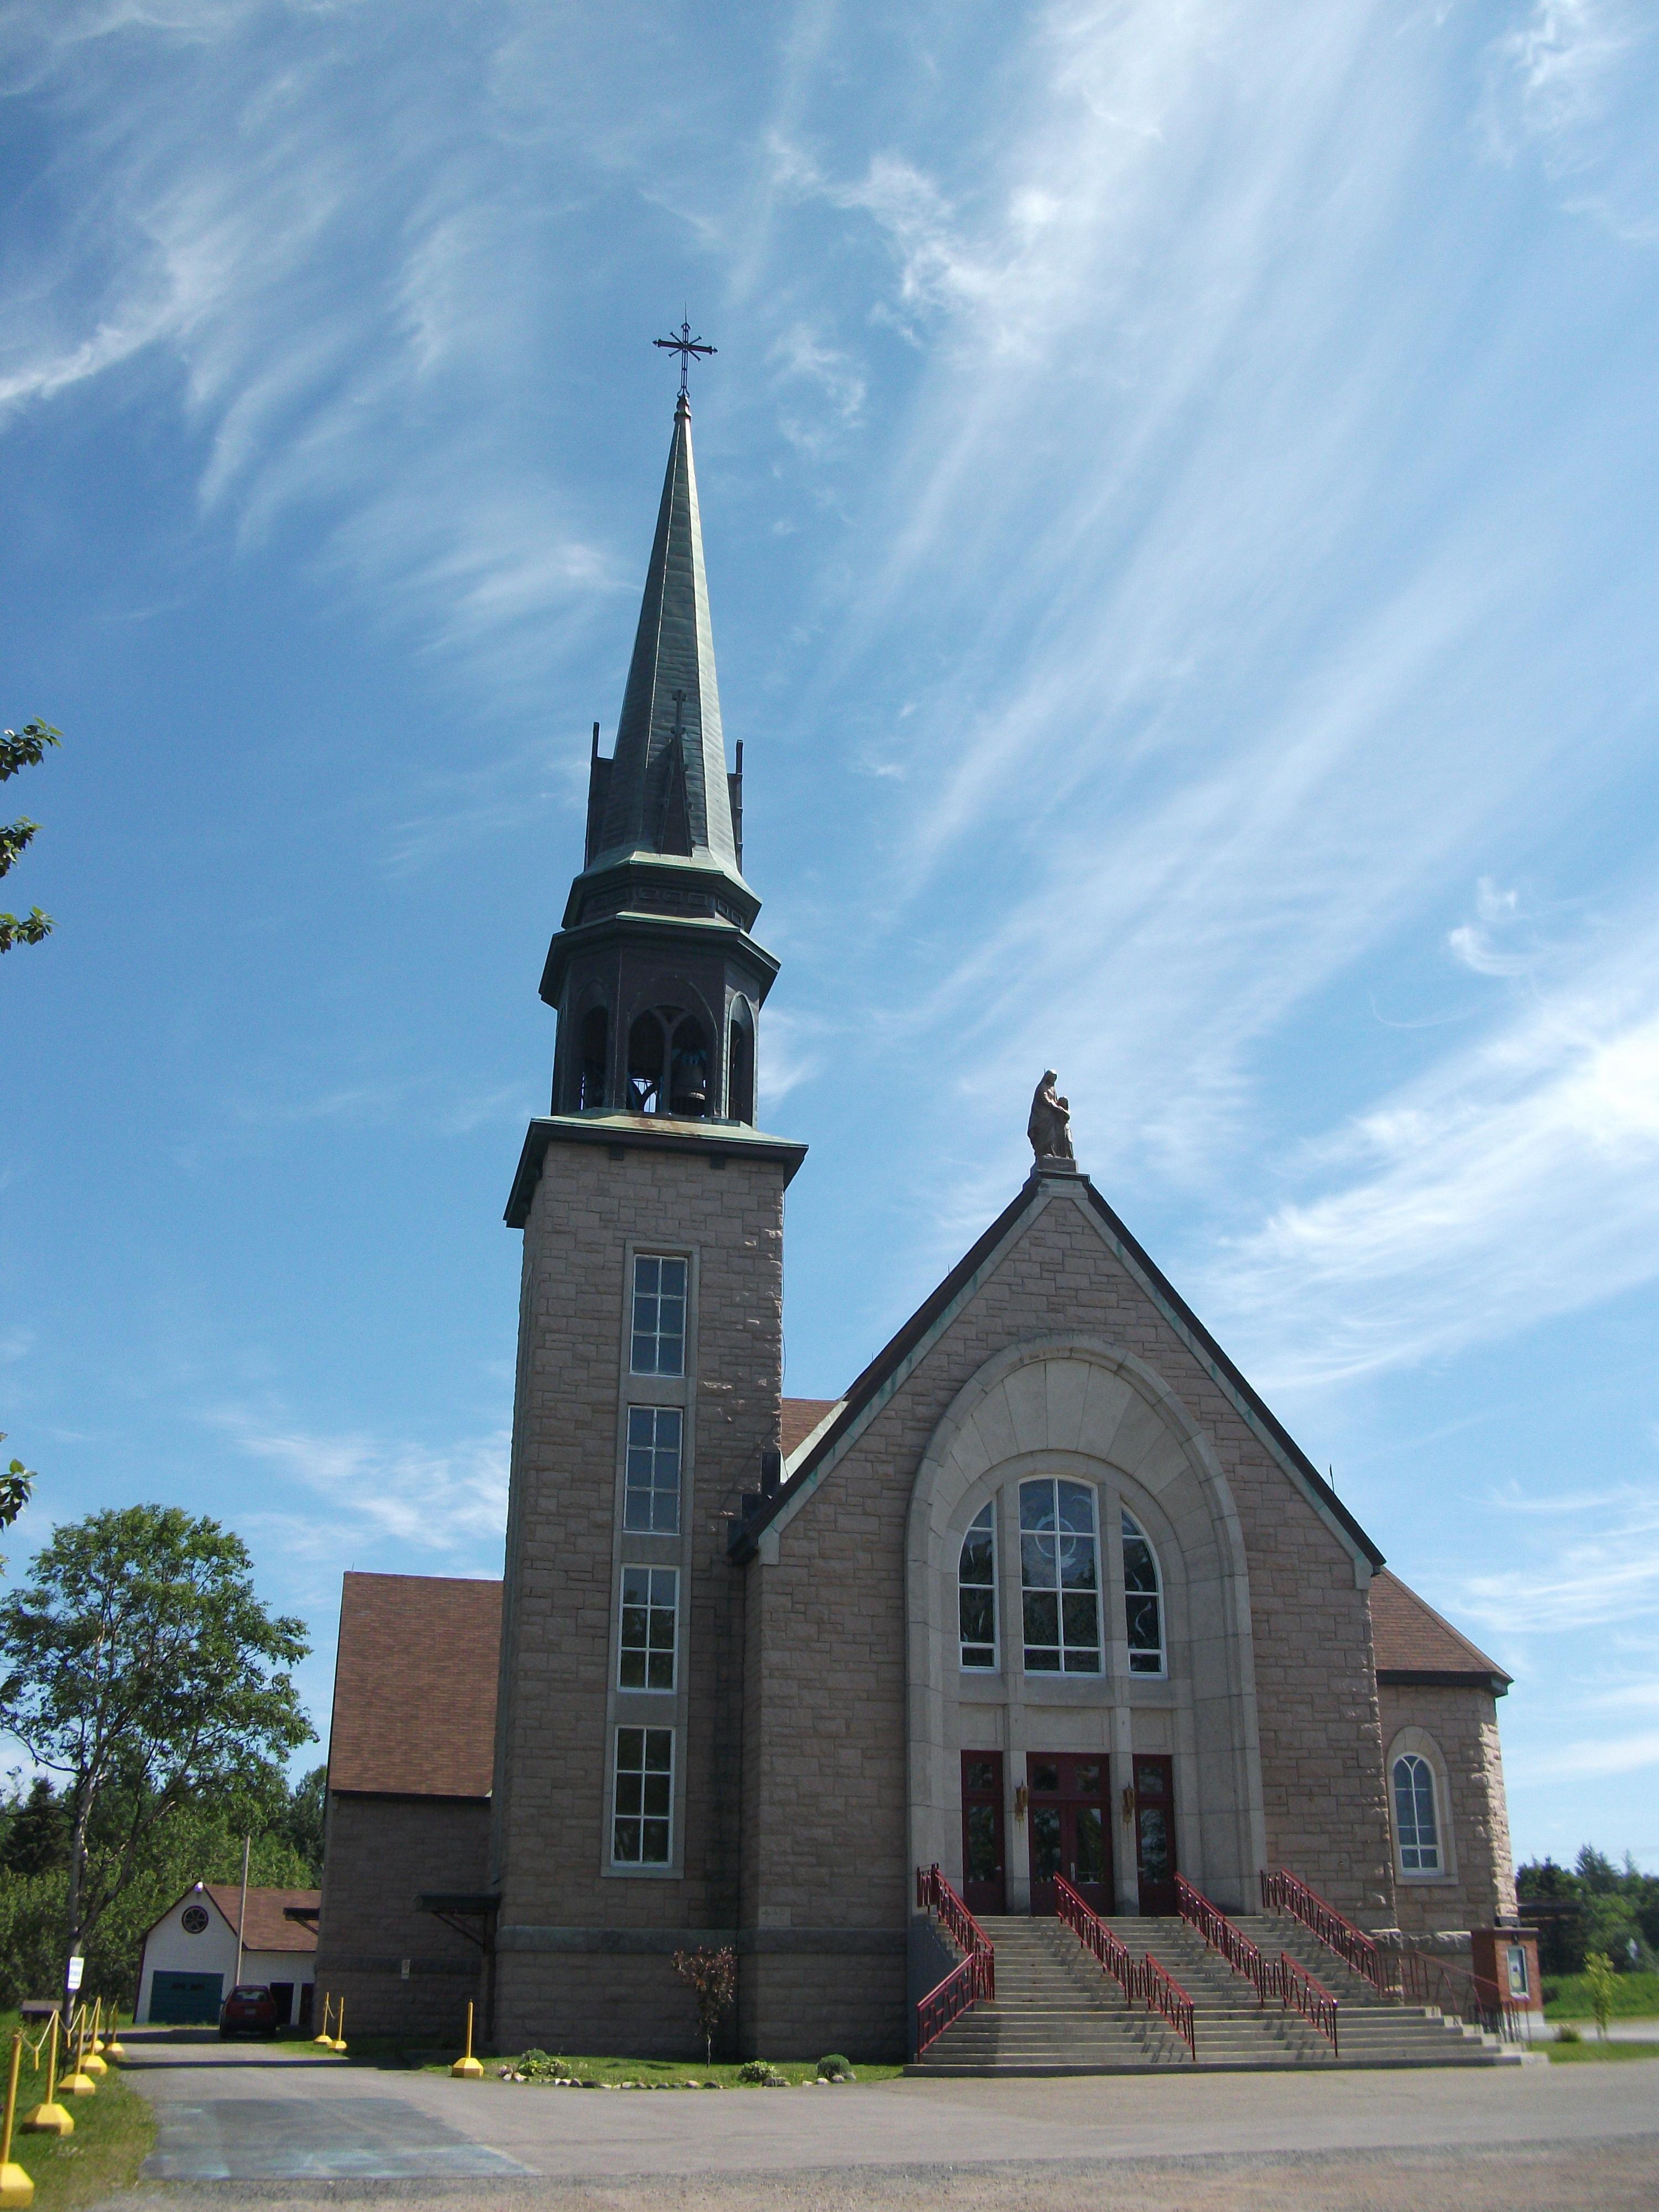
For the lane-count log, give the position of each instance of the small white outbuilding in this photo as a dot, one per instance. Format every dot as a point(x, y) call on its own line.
point(188, 1964)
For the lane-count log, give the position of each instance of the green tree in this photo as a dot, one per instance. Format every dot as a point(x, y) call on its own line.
point(37, 1832)
point(139, 1664)
point(21, 749)
point(1603, 1988)
point(16, 1484)
point(303, 1820)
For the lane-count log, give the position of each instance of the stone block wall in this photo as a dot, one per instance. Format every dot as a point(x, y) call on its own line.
point(557, 1707)
point(1480, 1890)
point(382, 1852)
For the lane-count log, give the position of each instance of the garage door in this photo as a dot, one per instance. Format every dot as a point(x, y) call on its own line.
point(183, 1998)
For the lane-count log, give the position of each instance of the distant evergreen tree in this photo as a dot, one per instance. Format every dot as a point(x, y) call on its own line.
point(37, 1832)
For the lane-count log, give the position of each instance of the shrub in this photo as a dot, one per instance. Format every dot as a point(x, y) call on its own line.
point(1599, 1972)
point(762, 2072)
point(835, 2068)
point(1566, 2033)
point(542, 2066)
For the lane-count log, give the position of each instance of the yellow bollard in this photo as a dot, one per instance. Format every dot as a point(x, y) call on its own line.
point(15, 2186)
point(80, 2083)
point(325, 2038)
point(90, 2061)
point(339, 2042)
point(468, 2068)
point(49, 2118)
point(112, 2046)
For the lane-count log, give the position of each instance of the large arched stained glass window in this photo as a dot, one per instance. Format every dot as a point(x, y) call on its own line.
point(1143, 1602)
point(976, 1591)
point(1414, 1814)
point(1060, 1578)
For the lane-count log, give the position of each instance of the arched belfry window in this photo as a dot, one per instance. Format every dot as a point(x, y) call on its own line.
point(590, 1073)
point(1143, 1601)
point(1060, 1578)
point(1416, 1815)
point(976, 1591)
point(740, 1067)
point(647, 1050)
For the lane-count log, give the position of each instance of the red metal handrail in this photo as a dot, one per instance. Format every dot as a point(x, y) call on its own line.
point(1092, 1933)
point(1469, 1997)
point(1219, 1933)
point(1281, 1978)
point(1164, 1994)
point(1284, 1892)
point(1403, 1976)
point(968, 1983)
point(1297, 1987)
point(1157, 1987)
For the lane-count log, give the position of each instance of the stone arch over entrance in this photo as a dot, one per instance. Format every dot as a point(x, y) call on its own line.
point(1082, 1406)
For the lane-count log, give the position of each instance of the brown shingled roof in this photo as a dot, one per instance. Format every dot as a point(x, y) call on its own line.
point(267, 1928)
point(414, 1687)
point(1412, 1643)
point(800, 1416)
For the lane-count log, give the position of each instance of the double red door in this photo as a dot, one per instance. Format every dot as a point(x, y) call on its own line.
point(1068, 1823)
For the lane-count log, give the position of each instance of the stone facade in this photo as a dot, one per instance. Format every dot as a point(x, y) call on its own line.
point(382, 1852)
point(1456, 1728)
point(595, 1206)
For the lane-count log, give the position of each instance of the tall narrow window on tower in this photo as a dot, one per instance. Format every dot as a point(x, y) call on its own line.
point(650, 1605)
point(658, 1329)
point(651, 1490)
point(643, 1822)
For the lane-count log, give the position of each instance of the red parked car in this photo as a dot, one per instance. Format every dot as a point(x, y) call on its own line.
point(250, 2009)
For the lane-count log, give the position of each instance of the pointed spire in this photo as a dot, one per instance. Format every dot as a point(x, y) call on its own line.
point(666, 791)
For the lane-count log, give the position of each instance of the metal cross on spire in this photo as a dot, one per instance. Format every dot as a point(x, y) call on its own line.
point(689, 349)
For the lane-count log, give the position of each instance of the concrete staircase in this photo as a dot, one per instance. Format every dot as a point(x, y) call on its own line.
point(1055, 2012)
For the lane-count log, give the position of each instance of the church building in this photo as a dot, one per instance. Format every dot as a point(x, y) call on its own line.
point(1048, 1597)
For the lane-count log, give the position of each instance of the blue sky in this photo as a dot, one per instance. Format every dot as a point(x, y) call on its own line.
point(1179, 488)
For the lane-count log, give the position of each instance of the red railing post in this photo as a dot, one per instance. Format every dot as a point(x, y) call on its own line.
point(1159, 1989)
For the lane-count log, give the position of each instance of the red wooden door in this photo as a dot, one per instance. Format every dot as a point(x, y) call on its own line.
point(1067, 1825)
point(984, 1885)
point(1155, 1845)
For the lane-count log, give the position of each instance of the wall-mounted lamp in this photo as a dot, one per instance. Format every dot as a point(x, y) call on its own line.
point(1129, 1802)
point(1022, 1796)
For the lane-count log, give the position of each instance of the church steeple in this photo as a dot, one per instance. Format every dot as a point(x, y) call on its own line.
point(654, 975)
point(666, 789)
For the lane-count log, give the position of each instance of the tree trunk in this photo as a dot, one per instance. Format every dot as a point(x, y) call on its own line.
point(76, 1874)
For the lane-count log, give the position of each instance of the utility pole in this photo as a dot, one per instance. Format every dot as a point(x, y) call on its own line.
point(241, 1917)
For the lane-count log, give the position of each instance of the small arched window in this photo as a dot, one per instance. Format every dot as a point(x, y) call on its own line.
point(976, 1591)
point(1143, 1601)
point(1416, 1816)
point(1060, 1578)
point(590, 1076)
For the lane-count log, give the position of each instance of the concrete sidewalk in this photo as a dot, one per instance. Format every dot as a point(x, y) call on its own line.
point(299, 2129)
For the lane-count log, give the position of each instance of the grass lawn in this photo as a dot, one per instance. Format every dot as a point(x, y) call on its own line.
point(1594, 2052)
point(1635, 1996)
point(113, 2131)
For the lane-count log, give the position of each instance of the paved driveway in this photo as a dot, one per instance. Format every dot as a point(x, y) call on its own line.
point(301, 2129)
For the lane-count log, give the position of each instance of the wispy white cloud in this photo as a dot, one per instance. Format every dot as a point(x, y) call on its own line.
point(373, 1489)
point(1516, 1179)
point(1576, 81)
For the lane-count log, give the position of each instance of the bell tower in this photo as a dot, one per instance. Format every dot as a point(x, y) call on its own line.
point(647, 1407)
point(654, 974)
